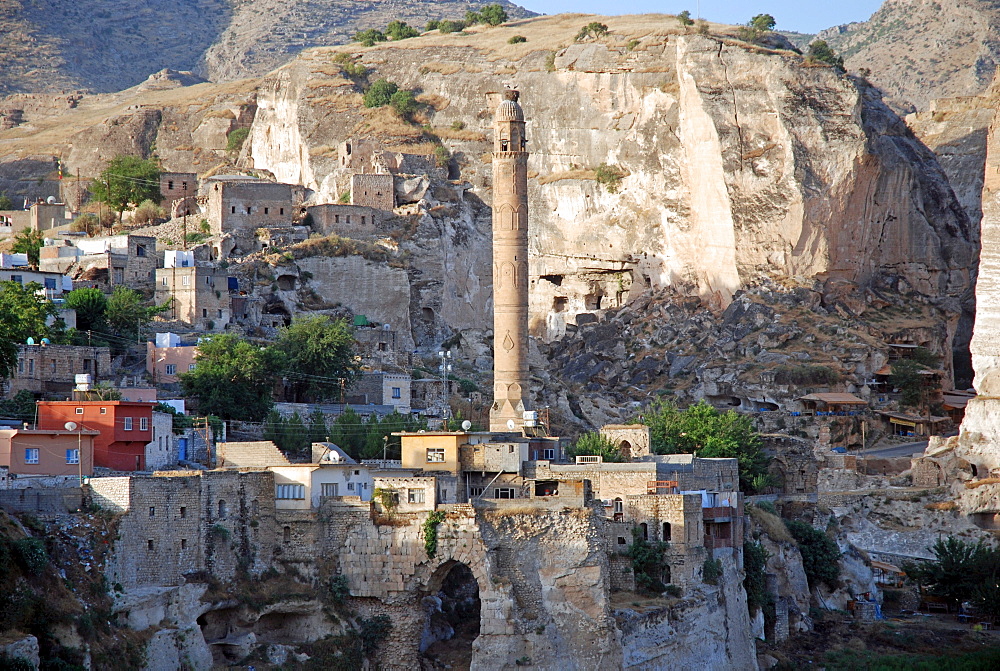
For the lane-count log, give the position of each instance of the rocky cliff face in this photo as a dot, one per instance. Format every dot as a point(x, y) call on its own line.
point(739, 164)
point(919, 50)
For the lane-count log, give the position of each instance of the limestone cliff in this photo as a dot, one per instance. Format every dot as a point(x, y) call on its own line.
point(739, 163)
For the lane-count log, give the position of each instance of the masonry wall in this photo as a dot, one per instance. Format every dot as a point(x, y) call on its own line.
point(200, 293)
point(347, 220)
point(247, 205)
point(53, 368)
point(375, 191)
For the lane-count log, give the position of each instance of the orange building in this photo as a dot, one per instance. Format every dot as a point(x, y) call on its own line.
point(125, 428)
point(39, 452)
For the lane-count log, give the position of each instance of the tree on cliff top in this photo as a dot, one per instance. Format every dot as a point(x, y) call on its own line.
point(126, 182)
point(705, 432)
point(820, 52)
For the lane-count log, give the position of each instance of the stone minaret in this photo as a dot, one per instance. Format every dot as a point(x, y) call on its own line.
point(510, 265)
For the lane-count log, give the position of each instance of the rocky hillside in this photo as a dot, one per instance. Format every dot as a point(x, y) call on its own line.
point(918, 50)
point(110, 45)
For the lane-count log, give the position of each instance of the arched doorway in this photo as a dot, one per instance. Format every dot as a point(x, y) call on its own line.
point(453, 619)
point(625, 448)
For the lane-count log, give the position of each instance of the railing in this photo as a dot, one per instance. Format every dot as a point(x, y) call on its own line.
point(662, 487)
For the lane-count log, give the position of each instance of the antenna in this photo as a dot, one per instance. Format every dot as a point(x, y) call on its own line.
point(511, 425)
point(466, 425)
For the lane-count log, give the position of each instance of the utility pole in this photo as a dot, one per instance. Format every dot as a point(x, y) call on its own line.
point(185, 238)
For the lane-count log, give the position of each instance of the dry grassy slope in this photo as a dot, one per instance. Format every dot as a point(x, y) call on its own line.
point(919, 50)
point(110, 45)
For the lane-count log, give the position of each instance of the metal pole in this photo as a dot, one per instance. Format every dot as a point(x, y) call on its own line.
point(79, 454)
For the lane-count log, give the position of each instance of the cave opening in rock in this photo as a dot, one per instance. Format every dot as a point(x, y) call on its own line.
point(453, 616)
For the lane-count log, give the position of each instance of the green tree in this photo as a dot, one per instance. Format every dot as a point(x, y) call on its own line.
point(704, 431)
point(233, 378)
point(404, 103)
point(126, 182)
point(446, 26)
point(820, 52)
point(319, 357)
point(369, 37)
point(23, 314)
point(820, 555)
point(379, 434)
point(398, 30)
point(763, 23)
point(91, 307)
point(959, 570)
point(236, 138)
point(432, 25)
point(593, 29)
point(20, 407)
point(5, 202)
point(595, 444)
point(126, 316)
point(755, 557)
point(684, 18)
point(905, 376)
point(349, 432)
point(649, 564)
point(28, 241)
point(380, 93)
point(493, 14)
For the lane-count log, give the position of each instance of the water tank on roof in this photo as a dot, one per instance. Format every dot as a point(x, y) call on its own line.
point(83, 381)
point(530, 418)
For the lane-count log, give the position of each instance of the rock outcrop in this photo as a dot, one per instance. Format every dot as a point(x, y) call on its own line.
point(919, 50)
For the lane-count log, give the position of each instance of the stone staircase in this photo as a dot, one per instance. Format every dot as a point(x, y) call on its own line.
point(259, 453)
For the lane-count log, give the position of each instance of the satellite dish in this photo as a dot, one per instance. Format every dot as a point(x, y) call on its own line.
point(70, 426)
point(31, 341)
point(50, 200)
point(511, 425)
point(46, 341)
point(466, 425)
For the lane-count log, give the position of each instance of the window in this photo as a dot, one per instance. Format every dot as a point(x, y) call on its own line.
point(350, 486)
point(396, 392)
point(503, 493)
point(79, 411)
point(362, 223)
point(191, 366)
point(186, 281)
point(152, 511)
point(184, 185)
point(435, 455)
point(290, 492)
point(645, 531)
point(140, 251)
point(348, 218)
point(128, 423)
point(281, 210)
point(549, 453)
point(86, 364)
point(414, 496)
point(17, 278)
point(20, 366)
point(208, 281)
point(149, 545)
point(666, 531)
point(286, 534)
point(184, 544)
point(31, 366)
point(266, 210)
point(170, 185)
point(144, 423)
point(330, 489)
point(475, 491)
point(204, 312)
point(72, 456)
point(170, 369)
point(223, 509)
point(50, 283)
point(621, 540)
point(248, 209)
point(234, 209)
point(104, 411)
point(163, 281)
point(31, 455)
point(184, 512)
point(220, 313)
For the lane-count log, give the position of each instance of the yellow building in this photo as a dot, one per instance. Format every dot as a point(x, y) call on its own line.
point(433, 450)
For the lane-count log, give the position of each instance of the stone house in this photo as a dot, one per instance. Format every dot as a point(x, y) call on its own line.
point(53, 369)
point(373, 190)
point(45, 452)
point(124, 259)
point(179, 191)
point(382, 388)
point(200, 295)
point(355, 221)
point(54, 284)
point(379, 345)
point(46, 216)
point(238, 203)
point(410, 494)
point(179, 522)
point(161, 451)
point(633, 440)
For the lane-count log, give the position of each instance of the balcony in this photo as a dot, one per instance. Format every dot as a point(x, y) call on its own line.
point(662, 487)
point(717, 514)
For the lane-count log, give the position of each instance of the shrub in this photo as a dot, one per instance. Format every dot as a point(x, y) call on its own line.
point(374, 630)
point(493, 14)
point(235, 140)
point(820, 52)
point(5, 202)
point(820, 554)
point(441, 156)
point(447, 26)
point(31, 555)
point(338, 589)
point(517, 39)
point(593, 443)
point(755, 582)
point(684, 18)
point(631, 44)
point(648, 563)
point(457, 125)
point(369, 37)
point(610, 176)
point(148, 213)
point(404, 103)
point(673, 590)
point(380, 93)
point(430, 528)
point(550, 61)
point(702, 27)
point(350, 65)
point(398, 30)
point(86, 223)
point(711, 571)
point(219, 532)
